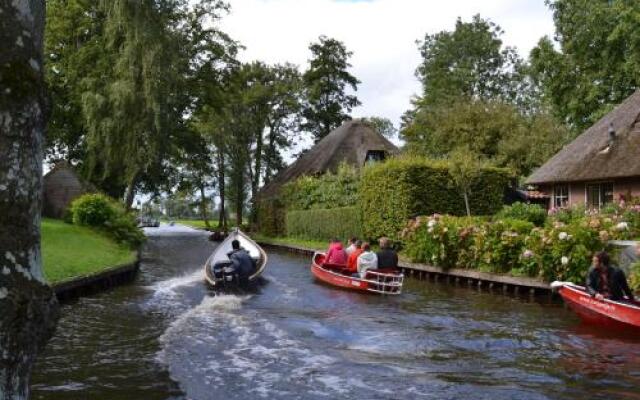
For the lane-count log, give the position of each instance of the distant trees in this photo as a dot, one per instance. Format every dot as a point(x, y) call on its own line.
point(28, 306)
point(327, 103)
point(382, 125)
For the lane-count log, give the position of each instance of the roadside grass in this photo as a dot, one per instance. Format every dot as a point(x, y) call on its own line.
point(71, 251)
point(195, 223)
point(291, 241)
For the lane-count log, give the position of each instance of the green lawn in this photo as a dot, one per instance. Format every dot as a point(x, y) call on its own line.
point(309, 244)
point(195, 223)
point(70, 251)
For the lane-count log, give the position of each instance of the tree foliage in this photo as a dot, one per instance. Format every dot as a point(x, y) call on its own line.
point(492, 130)
point(597, 64)
point(327, 103)
point(469, 62)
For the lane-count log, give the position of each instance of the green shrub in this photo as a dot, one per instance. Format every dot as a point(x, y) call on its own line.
point(271, 217)
point(533, 213)
point(324, 224)
point(93, 210)
point(401, 188)
point(123, 229)
point(441, 240)
point(103, 213)
point(500, 244)
point(324, 191)
point(561, 252)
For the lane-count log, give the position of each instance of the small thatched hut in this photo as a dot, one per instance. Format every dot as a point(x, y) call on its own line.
point(354, 143)
point(60, 187)
point(599, 166)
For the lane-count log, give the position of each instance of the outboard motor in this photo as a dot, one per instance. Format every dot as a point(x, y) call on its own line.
point(229, 275)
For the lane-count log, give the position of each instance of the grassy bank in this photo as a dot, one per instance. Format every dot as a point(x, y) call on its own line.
point(194, 223)
point(291, 241)
point(70, 251)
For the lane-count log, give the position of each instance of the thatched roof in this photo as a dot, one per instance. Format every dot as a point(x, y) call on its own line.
point(349, 144)
point(60, 187)
point(591, 156)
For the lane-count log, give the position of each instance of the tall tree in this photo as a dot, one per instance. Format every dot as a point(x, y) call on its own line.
point(28, 307)
point(74, 52)
point(468, 62)
point(326, 82)
point(130, 116)
point(598, 62)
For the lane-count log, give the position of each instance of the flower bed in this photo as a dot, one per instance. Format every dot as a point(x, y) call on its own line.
point(559, 249)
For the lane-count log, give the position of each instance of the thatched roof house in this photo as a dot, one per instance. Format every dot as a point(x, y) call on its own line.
point(60, 187)
point(599, 166)
point(354, 143)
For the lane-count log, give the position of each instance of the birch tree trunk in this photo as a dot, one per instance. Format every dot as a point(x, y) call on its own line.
point(28, 307)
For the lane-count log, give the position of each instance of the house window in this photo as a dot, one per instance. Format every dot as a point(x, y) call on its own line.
point(374, 156)
point(599, 194)
point(560, 196)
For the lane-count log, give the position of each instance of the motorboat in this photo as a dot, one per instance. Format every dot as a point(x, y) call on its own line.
point(380, 281)
point(605, 312)
point(219, 271)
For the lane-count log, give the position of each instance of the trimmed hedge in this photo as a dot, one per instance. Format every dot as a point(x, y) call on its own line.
point(394, 191)
point(324, 224)
point(533, 213)
point(271, 217)
point(324, 191)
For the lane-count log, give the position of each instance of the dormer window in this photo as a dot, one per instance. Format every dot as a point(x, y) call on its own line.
point(374, 156)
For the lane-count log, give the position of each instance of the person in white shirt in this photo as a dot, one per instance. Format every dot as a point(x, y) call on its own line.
point(352, 246)
point(367, 260)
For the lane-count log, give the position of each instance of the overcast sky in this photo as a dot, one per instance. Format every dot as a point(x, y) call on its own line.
point(380, 33)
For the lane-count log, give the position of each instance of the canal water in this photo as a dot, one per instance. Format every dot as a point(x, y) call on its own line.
point(166, 337)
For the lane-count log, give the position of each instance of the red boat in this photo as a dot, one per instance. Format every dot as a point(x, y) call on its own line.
point(605, 312)
point(382, 281)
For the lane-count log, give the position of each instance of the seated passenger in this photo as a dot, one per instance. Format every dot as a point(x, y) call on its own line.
point(387, 257)
point(367, 260)
point(352, 246)
point(242, 262)
point(352, 261)
point(336, 254)
point(607, 281)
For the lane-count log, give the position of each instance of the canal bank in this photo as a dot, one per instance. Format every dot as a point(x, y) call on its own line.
point(504, 283)
point(166, 337)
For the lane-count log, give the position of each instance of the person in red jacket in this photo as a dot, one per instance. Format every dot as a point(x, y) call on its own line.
point(336, 254)
point(352, 261)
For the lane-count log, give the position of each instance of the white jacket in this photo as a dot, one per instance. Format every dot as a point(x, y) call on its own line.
point(367, 260)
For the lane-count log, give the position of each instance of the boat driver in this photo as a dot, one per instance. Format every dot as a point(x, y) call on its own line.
point(242, 262)
point(607, 281)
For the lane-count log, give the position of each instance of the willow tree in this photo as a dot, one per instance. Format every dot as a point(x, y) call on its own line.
point(28, 309)
point(130, 114)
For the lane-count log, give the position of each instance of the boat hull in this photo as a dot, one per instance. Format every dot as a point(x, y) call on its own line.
point(605, 312)
point(219, 255)
point(381, 281)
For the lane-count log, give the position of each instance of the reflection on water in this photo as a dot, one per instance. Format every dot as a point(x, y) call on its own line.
point(166, 337)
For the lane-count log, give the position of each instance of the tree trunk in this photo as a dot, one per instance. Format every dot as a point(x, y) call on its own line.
point(255, 183)
point(222, 218)
point(203, 206)
point(466, 203)
point(131, 191)
point(239, 202)
point(28, 307)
